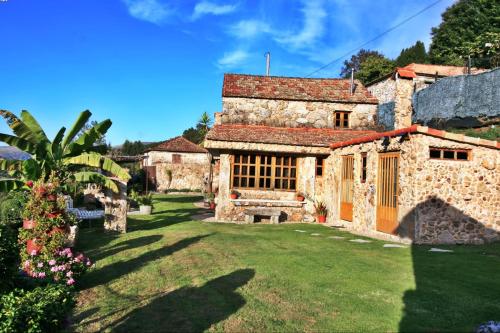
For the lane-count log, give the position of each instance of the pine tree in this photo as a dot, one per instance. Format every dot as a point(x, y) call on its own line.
point(413, 54)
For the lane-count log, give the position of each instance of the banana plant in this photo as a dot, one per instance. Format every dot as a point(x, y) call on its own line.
point(71, 157)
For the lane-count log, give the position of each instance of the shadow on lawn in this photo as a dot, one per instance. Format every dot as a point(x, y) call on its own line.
point(451, 293)
point(126, 245)
point(189, 309)
point(162, 219)
point(115, 270)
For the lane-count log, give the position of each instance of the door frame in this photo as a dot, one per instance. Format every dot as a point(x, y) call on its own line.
point(346, 169)
point(387, 216)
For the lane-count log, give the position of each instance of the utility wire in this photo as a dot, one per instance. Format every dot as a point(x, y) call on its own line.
point(375, 38)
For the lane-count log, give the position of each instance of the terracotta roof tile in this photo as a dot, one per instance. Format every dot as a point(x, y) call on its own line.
point(178, 144)
point(417, 129)
point(315, 137)
point(293, 88)
point(428, 69)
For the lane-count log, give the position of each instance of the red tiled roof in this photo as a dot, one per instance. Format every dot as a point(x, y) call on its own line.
point(418, 129)
point(293, 88)
point(301, 136)
point(403, 72)
point(178, 144)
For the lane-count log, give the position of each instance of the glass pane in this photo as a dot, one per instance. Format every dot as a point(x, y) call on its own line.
point(251, 182)
point(252, 170)
point(435, 153)
point(236, 182)
point(236, 170)
point(262, 171)
point(252, 159)
point(268, 183)
point(244, 170)
point(462, 155)
point(285, 184)
point(268, 171)
point(244, 159)
point(244, 182)
point(449, 154)
point(237, 159)
point(292, 173)
point(261, 182)
point(277, 183)
point(278, 160)
point(292, 184)
point(286, 172)
point(278, 172)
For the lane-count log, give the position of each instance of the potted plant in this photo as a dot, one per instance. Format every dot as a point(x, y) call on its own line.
point(234, 195)
point(211, 200)
point(145, 204)
point(321, 211)
point(300, 196)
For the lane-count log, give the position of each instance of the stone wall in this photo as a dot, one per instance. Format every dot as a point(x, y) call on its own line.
point(192, 173)
point(439, 201)
point(459, 101)
point(281, 113)
point(294, 211)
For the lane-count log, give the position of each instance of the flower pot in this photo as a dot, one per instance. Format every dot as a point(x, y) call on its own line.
point(33, 245)
point(321, 218)
point(53, 215)
point(52, 197)
point(41, 191)
point(61, 230)
point(145, 210)
point(212, 205)
point(29, 224)
point(234, 196)
point(300, 198)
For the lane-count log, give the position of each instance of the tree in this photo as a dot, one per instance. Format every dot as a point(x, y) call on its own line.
point(68, 157)
point(413, 54)
point(132, 148)
point(462, 23)
point(374, 67)
point(357, 60)
point(197, 134)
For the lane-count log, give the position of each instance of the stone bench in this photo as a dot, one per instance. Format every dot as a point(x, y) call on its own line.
point(274, 214)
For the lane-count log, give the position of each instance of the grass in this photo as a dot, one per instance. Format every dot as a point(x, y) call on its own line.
point(169, 273)
point(487, 133)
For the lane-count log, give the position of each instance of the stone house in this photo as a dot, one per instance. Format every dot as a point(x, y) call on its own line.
point(395, 90)
point(272, 138)
point(416, 184)
point(178, 164)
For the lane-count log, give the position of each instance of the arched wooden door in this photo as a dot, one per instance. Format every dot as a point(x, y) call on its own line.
point(387, 193)
point(347, 188)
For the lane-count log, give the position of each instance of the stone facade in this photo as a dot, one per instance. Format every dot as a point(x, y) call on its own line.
point(285, 113)
point(439, 201)
point(189, 172)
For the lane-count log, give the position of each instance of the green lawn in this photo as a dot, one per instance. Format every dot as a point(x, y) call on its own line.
point(169, 273)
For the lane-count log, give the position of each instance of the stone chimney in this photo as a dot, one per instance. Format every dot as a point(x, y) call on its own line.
point(403, 103)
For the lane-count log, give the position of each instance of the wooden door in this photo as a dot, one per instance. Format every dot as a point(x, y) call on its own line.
point(150, 178)
point(347, 188)
point(387, 193)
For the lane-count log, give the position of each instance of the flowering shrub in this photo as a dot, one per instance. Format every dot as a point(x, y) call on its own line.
point(62, 267)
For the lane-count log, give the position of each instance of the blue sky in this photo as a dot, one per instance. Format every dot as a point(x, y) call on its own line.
point(153, 66)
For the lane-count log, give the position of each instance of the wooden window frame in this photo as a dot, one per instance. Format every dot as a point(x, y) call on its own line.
point(272, 172)
point(176, 159)
point(364, 167)
point(320, 167)
point(344, 116)
point(455, 152)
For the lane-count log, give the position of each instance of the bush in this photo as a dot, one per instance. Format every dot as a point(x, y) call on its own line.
point(42, 309)
point(9, 257)
point(11, 208)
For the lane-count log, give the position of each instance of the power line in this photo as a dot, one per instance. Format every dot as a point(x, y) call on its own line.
point(375, 38)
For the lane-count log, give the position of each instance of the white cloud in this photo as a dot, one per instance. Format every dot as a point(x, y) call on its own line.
point(206, 7)
point(232, 59)
point(148, 10)
point(249, 28)
point(313, 27)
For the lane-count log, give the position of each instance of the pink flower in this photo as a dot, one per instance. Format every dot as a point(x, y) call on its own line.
point(41, 275)
point(39, 265)
point(61, 268)
point(34, 252)
point(69, 274)
point(69, 254)
point(53, 269)
point(88, 263)
point(52, 262)
point(27, 263)
point(29, 183)
point(70, 281)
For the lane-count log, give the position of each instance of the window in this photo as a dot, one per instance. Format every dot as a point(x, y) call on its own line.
point(364, 163)
point(320, 165)
point(341, 119)
point(176, 158)
point(264, 172)
point(449, 154)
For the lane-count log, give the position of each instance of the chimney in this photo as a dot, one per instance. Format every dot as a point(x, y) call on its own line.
point(268, 63)
point(352, 81)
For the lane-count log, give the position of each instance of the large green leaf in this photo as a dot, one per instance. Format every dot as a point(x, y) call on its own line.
point(77, 127)
point(31, 169)
point(96, 160)
point(94, 177)
point(56, 147)
point(7, 185)
point(10, 165)
point(18, 142)
point(34, 126)
point(19, 127)
point(87, 139)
